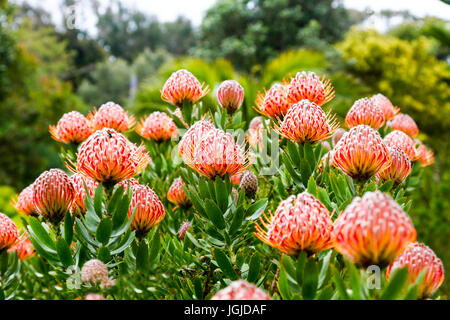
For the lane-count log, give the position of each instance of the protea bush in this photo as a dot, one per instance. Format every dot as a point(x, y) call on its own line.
point(193, 202)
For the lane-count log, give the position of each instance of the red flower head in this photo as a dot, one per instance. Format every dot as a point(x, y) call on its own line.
point(273, 103)
point(183, 86)
point(300, 223)
point(236, 179)
point(217, 155)
point(365, 111)
point(108, 157)
point(241, 290)
point(183, 229)
point(111, 115)
point(53, 195)
point(230, 95)
point(398, 170)
point(373, 230)
point(405, 123)
point(9, 234)
point(157, 126)
point(305, 121)
point(361, 153)
point(78, 182)
point(255, 133)
point(310, 86)
point(129, 182)
point(338, 134)
point(386, 106)
point(176, 194)
point(73, 127)
point(191, 139)
point(24, 248)
point(417, 257)
point(24, 202)
point(401, 140)
point(424, 155)
point(149, 210)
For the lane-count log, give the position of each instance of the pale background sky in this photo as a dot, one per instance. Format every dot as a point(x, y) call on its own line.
point(168, 10)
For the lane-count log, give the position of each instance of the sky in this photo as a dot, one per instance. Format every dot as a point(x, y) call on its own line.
point(169, 10)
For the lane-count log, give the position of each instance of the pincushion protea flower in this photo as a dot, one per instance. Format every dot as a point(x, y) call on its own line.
point(241, 290)
point(401, 140)
point(53, 195)
point(129, 182)
point(386, 106)
point(157, 126)
point(273, 103)
point(183, 229)
point(417, 257)
point(300, 223)
point(249, 182)
point(94, 271)
point(373, 230)
point(183, 86)
point(217, 155)
point(9, 234)
point(365, 111)
point(176, 194)
point(361, 153)
point(255, 133)
point(192, 138)
point(305, 121)
point(24, 248)
point(149, 210)
point(108, 157)
point(94, 296)
point(310, 86)
point(230, 95)
point(424, 155)
point(24, 202)
point(78, 182)
point(73, 127)
point(398, 170)
point(405, 123)
point(111, 115)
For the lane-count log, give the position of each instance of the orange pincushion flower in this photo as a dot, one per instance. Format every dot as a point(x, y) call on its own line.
point(78, 182)
point(373, 230)
point(424, 155)
point(361, 153)
point(129, 182)
point(73, 127)
point(236, 179)
point(417, 257)
point(300, 223)
point(176, 194)
point(9, 234)
point(24, 202)
point(53, 195)
point(401, 140)
point(386, 106)
point(149, 210)
point(111, 115)
point(183, 86)
point(273, 103)
point(399, 169)
point(305, 121)
point(24, 248)
point(192, 138)
point(230, 95)
point(217, 155)
point(310, 86)
point(365, 111)
point(157, 126)
point(109, 157)
point(405, 123)
point(241, 290)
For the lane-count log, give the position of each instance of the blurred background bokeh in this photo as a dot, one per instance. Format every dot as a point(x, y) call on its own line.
point(58, 56)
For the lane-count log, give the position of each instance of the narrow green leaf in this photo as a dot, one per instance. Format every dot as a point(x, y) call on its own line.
point(68, 227)
point(154, 246)
point(225, 264)
point(215, 214)
point(142, 261)
point(310, 279)
point(98, 198)
point(254, 268)
point(64, 254)
point(396, 282)
point(254, 211)
point(41, 234)
point(104, 230)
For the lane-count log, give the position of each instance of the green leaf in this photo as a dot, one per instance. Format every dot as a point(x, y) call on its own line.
point(142, 257)
point(288, 266)
point(104, 254)
point(68, 227)
point(312, 189)
point(64, 254)
point(300, 268)
point(40, 233)
point(98, 198)
point(104, 230)
point(120, 210)
point(225, 264)
point(155, 246)
point(340, 286)
point(115, 198)
point(310, 279)
point(198, 288)
point(128, 240)
point(215, 214)
point(396, 282)
point(386, 187)
point(238, 217)
point(255, 210)
point(283, 285)
point(254, 268)
point(221, 194)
